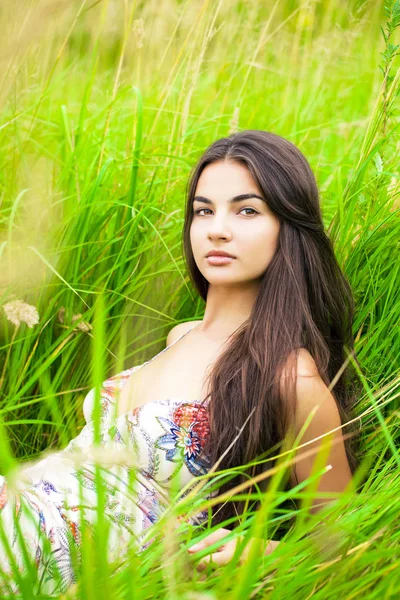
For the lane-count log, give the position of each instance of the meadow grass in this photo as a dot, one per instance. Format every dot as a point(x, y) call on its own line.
point(105, 107)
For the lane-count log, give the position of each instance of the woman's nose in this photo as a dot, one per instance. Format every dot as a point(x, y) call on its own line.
point(218, 227)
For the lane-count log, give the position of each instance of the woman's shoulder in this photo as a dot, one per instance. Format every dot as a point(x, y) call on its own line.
point(303, 362)
point(179, 330)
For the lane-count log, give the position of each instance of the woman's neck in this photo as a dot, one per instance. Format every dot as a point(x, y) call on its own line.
point(227, 308)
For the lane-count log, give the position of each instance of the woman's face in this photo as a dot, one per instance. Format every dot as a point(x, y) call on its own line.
point(247, 229)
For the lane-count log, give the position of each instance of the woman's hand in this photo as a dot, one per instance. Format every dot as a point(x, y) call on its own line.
point(224, 553)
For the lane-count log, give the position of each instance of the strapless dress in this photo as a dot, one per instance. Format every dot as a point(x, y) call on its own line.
point(166, 439)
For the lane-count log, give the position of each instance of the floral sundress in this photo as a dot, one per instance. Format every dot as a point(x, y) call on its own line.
point(166, 438)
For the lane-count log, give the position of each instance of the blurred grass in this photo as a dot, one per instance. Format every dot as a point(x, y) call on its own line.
point(105, 106)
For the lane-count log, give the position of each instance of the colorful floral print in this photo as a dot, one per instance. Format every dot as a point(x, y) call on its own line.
point(56, 493)
point(186, 436)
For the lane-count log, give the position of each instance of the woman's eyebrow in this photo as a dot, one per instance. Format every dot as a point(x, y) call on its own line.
point(231, 201)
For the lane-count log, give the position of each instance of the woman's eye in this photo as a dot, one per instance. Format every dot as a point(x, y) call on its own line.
point(197, 212)
point(254, 211)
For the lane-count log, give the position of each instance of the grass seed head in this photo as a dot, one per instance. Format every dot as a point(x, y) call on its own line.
point(18, 311)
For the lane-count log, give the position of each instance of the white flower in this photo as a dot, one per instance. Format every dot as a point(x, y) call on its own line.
point(18, 311)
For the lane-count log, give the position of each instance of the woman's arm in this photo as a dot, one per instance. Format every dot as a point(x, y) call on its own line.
point(314, 397)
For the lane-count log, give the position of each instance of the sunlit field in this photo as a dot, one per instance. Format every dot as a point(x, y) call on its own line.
point(105, 107)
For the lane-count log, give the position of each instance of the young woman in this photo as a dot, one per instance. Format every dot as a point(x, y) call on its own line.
point(276, 329)
point(278, 319)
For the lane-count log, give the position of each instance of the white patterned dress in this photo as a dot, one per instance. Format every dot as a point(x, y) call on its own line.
point(165, 437)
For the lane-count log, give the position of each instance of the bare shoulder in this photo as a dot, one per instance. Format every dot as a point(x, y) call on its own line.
point(306, 366)
point(312, 394)
point(179, 330)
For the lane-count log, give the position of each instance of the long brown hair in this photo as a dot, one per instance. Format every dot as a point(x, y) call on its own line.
point(304, 301)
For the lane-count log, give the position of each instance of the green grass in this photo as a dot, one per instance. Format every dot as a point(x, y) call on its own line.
point(98, 137)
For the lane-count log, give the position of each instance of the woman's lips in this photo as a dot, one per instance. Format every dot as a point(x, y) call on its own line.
point(220, 260)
